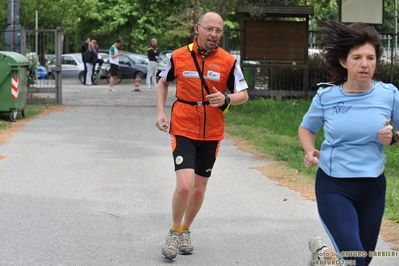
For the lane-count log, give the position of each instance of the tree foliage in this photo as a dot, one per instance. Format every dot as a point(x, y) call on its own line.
point(136, 22)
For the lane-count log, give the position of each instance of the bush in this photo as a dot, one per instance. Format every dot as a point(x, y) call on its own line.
point(383, 72)
point(32, 68)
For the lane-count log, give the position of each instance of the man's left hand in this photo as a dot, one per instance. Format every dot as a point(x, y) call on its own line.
point(216, 99)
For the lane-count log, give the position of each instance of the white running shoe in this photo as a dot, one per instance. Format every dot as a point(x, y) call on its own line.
point(316, 245)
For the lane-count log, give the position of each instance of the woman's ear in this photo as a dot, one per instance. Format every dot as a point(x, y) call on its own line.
point(343, 63)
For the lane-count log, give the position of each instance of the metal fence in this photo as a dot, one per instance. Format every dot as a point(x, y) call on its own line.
point(276, 80)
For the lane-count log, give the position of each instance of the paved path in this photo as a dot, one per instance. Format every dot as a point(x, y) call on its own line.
point(92, 185)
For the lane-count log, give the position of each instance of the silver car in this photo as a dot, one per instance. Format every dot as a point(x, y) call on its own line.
point(71, 66)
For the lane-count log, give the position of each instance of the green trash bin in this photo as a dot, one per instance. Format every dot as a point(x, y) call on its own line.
point(13, 83)
point(248, 76)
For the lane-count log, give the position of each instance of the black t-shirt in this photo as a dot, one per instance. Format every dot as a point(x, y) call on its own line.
point(83, 49)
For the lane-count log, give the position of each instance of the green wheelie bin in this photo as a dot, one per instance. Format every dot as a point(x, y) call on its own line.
point(13, 83)
point(248, 76)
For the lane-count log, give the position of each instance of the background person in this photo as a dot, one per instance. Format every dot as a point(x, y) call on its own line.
point(83, 49)
point(90, 60)
point(114, 63)
point(197, 122)
point(99, 60)
point(152, 54)
point(354, 113)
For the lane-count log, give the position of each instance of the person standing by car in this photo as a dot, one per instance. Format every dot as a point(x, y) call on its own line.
point(152, 54)
point(90, 60)
point(83, 49)
point(355, 112)
point(197, 121)
point(114, 63)
point(99, 60)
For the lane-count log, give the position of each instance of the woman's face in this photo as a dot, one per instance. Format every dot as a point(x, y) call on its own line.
point(360, 63)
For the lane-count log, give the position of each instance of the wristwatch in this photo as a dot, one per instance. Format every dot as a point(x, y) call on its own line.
point(395, 137)
point(227, 99)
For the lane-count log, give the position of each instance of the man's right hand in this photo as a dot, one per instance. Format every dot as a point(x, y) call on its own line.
point(162, 122)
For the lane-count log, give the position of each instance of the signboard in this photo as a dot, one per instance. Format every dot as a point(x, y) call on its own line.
point(12, 36)
point(275, 40)
point(366, 11)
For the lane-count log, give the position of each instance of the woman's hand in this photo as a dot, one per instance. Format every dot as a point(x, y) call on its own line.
point(385, 134)
point(311, 158)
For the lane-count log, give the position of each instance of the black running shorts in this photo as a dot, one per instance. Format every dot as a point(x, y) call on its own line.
point(199, 155)
point(114, 69)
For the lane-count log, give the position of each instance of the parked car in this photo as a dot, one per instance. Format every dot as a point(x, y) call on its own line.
point(167, 53)
point(71, 66)
point(49, 58)
point(41, 72)
point(163, 60)
point(131, 65)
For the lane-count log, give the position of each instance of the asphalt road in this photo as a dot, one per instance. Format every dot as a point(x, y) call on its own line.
point(92, 185)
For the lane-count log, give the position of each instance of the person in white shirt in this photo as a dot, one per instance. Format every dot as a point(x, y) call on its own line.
point(114, 63)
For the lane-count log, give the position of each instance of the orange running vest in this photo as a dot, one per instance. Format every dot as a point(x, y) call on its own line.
point(202, 121)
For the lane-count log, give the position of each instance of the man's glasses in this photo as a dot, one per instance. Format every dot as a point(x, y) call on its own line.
point(210, 29)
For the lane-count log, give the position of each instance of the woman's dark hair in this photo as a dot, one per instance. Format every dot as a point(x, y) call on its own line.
point(338, 39)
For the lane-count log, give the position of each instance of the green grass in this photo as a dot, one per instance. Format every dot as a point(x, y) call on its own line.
point(272, 128)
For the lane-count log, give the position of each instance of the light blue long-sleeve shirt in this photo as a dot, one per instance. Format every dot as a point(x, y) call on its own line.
point(351, 123)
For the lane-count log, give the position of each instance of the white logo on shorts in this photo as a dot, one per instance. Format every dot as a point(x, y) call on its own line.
point(179, 159)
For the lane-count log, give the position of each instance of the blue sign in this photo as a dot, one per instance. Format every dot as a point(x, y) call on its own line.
point(15, 35)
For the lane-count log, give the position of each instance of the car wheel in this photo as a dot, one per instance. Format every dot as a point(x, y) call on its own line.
point(140, 75)
point(94, 81)
point(81, 77)
point(51, 75)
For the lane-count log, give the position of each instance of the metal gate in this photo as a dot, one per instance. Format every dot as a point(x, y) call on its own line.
point(43, 47)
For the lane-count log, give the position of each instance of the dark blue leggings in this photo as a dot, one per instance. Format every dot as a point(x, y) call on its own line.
point(351, 211)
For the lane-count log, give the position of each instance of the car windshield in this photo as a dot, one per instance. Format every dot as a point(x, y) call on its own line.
point(106, 59)
point(79, 58)
point(137, 58)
